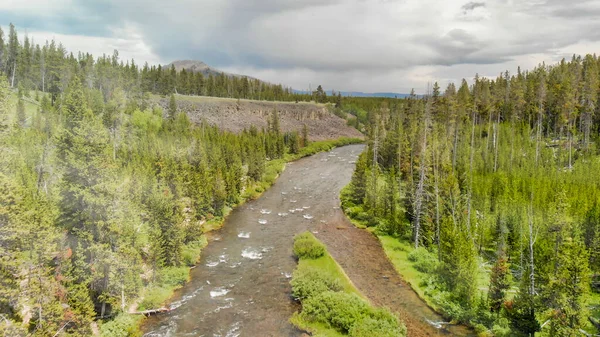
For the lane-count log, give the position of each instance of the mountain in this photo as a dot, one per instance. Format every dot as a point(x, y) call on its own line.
point(205, 69)
point(200, 67)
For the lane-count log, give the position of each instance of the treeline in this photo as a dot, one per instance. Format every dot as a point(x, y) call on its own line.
point(494, 184)
point(102, 201)
point(49, 68)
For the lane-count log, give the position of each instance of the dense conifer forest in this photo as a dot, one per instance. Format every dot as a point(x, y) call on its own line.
point(105, 196)
point(495, 187)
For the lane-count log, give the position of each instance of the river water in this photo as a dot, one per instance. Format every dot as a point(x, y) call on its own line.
point(241, 285)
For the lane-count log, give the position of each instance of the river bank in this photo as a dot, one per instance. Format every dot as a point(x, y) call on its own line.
point(395, 256)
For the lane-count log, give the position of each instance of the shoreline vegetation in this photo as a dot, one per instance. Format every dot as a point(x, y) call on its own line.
point(331, 304)
point(411, 264)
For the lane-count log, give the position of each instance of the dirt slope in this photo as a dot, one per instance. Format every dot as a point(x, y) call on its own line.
point(237, 115)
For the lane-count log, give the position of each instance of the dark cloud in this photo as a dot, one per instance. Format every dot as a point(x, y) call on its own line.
point(469, 6)
point(350, 38)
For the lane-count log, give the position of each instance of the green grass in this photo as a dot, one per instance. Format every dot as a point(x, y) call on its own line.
point(397, 252)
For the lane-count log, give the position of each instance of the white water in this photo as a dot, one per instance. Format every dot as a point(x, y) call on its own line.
point(252, 254)
point(219, 292)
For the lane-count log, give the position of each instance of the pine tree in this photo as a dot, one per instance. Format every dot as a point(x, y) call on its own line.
point(4, 104)
point(21, 117)
point(359, 179)
point(521, 311)
point(569, 287)
point(499, 283)
point(304, 135)
point(172, 107)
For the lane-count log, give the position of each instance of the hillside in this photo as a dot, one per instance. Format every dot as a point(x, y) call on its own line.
point(236, 115)
point(200, 67)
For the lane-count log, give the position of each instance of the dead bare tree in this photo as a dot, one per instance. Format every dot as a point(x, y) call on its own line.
point(421, 184)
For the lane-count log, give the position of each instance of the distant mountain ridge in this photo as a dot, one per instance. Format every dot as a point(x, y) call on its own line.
point(206, 70)
point(200, 67)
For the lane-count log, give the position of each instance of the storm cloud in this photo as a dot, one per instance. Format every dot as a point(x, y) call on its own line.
point(366, 45)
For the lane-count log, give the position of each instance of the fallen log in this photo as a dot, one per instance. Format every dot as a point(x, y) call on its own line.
point(151, 311)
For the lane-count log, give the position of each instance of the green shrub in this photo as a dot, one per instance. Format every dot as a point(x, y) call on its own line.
point(343, 311)
point(192, 250)
point(310, 282)
point(369, 327)
point(336, 309)
point(121, 326)
point(307, 246)
point(154, 297)
point(174, 276)
point(423, 260)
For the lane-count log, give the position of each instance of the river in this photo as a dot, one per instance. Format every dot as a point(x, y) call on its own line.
point(241, 285)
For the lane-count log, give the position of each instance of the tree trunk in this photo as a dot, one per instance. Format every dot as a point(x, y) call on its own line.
point(532, 266)
point(470, 176)
point(437, 202)
point(497, 143)
point(12, 82)
point(421, 184)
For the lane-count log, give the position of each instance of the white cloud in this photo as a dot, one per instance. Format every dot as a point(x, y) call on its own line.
point(126, 40)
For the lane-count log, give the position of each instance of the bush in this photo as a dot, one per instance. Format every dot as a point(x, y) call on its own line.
point(336, 309)
point(423, 260)
point(381, 328)
point(307, 246)
point(310, 282)
point(174, 276)
point(344, 311)
point(192, 250)
point(154, 297)
point(122, 326)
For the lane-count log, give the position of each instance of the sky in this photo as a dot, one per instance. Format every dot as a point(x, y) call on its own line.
point(347, 45)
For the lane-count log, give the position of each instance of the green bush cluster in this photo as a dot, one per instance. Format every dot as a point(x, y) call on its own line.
point(349, 314)
point(369, 327)
point(308, 282)
point(154, 297)
point(121, 326)
point(424, 261)
point(174, 276)
point(307, 246)
point(324, 301)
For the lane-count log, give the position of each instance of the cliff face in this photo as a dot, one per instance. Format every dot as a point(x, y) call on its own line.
point(237, 115)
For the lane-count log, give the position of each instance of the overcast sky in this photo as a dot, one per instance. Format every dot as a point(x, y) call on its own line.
point(350, 45)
